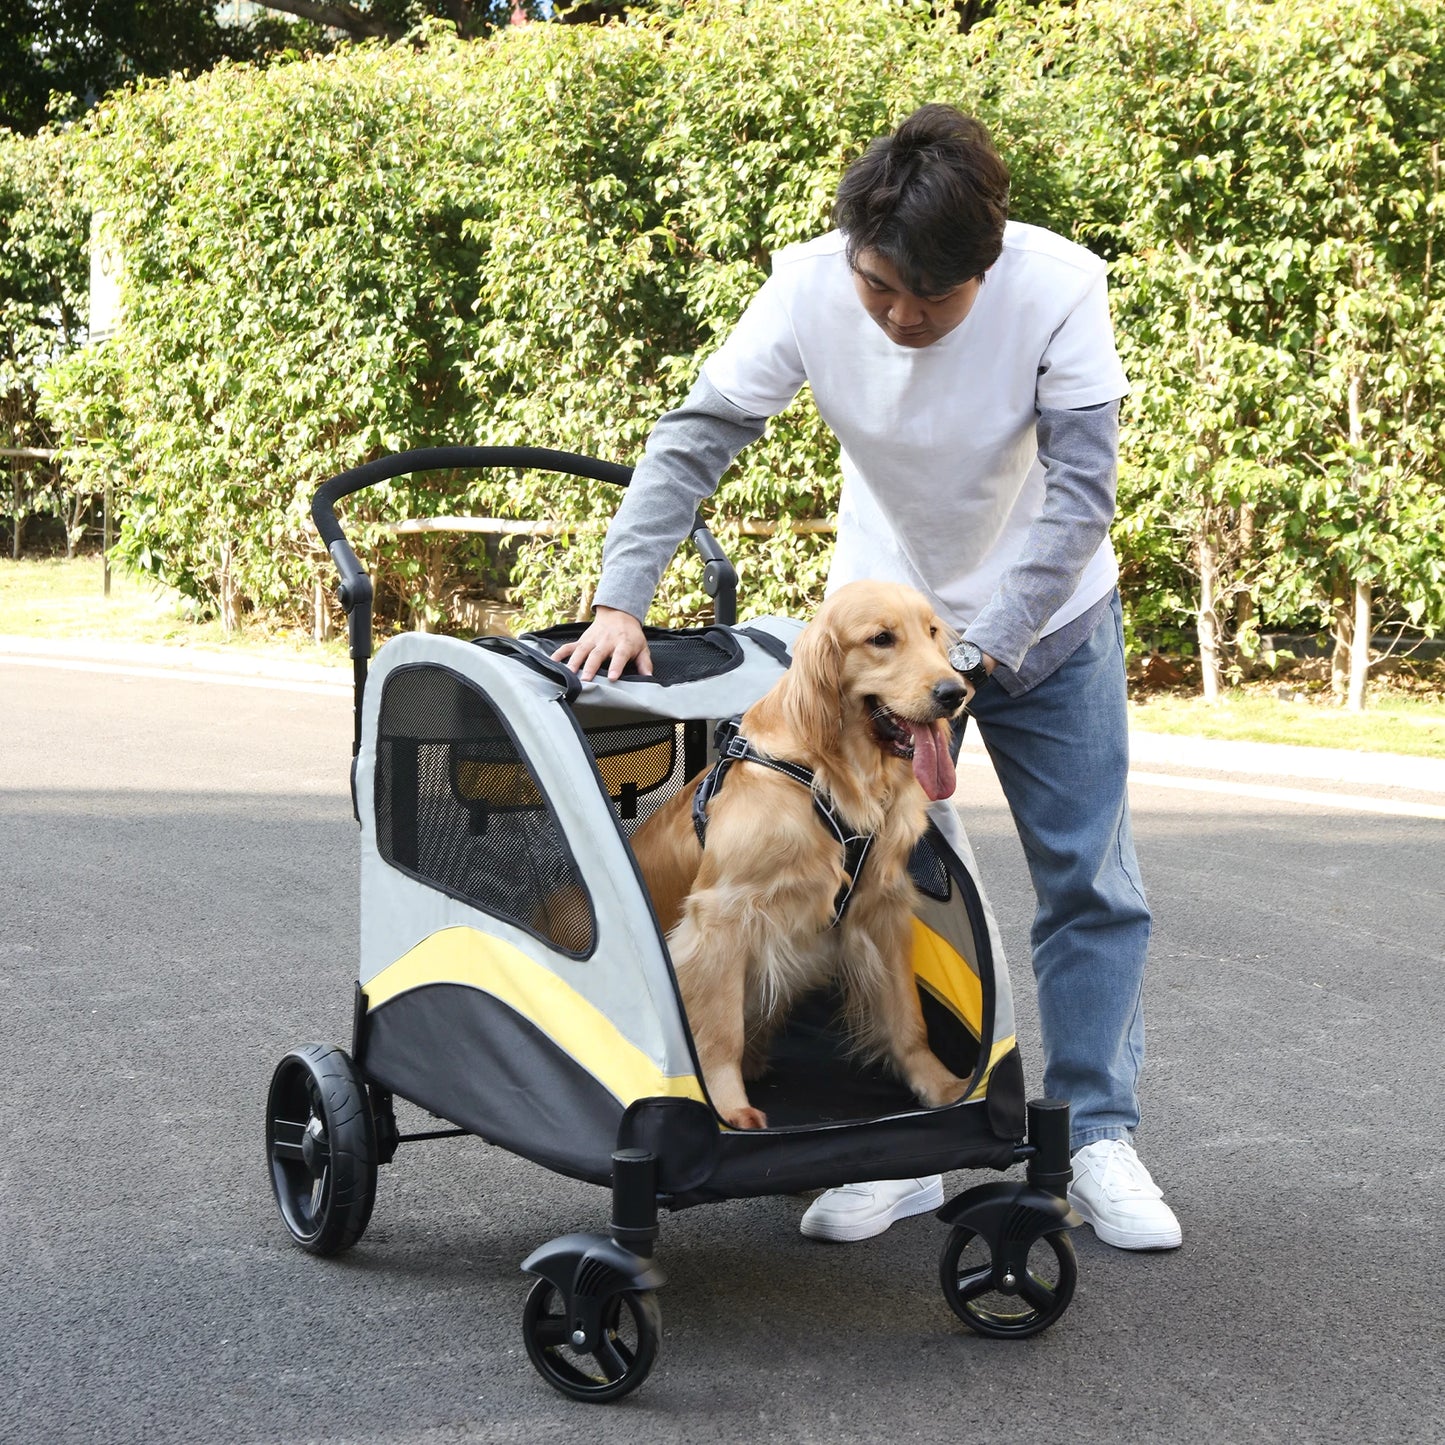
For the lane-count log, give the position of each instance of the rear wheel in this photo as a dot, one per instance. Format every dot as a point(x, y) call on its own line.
point(321, 1146)
point(631, 1329)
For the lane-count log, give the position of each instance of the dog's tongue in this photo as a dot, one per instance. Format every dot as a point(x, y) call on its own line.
point(932, 765)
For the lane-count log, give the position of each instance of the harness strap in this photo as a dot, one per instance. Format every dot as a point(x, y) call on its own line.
point(732, 747)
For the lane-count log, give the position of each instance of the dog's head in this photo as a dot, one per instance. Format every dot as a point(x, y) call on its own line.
point(872, 669)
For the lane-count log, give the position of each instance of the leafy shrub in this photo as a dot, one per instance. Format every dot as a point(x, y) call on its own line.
point(522, 240)
point(43, 277)
point(534, 238)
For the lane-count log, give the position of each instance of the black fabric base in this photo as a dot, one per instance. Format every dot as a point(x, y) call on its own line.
point(784, 1160)
point(468, 1058)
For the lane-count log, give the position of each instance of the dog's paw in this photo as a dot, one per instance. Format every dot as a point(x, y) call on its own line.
point(748, 1118)
point(940, 1094)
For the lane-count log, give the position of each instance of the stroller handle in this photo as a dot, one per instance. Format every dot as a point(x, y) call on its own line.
point(720, 579)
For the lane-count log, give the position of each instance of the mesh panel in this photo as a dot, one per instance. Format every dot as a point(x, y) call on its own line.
point(643, 765)
point(929, 875)
point(684, 655)
point(458, 806)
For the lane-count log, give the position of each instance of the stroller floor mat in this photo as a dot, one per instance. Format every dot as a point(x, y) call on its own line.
point(814, 1078)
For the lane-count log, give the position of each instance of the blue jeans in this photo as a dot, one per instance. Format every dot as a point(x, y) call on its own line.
point(1061, 753)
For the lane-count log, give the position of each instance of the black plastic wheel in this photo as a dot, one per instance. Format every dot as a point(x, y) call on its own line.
point(321, 1145)
point(1042, 1292)
point(632, 1328)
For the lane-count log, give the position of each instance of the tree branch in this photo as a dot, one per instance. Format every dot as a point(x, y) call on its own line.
point(459, 12)
point(356, 23)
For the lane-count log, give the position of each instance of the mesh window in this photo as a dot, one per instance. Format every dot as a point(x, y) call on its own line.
point(645, 764)
point(458, 806)
point(929, 875)
point(684, 655)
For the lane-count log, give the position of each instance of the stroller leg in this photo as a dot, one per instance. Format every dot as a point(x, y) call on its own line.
point(1050, 1167)
point(634, 1200)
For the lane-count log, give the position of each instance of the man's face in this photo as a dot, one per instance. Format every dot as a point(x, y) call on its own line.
point(907, 319)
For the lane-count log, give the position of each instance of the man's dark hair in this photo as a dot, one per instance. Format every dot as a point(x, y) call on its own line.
point(931, 198)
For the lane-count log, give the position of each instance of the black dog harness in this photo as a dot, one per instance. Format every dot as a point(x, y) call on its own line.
point(732, 747)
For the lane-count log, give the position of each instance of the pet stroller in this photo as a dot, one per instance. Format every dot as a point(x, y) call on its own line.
point(514, 982)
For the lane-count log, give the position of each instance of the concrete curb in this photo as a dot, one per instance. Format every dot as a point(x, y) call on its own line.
point(1335, 765)
point(1221, 758)
point(166, 656)
point(1208, 756)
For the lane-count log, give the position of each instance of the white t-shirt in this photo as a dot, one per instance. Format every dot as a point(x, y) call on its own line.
point(941, 476)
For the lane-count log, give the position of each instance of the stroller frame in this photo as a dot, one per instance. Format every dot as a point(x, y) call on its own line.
point(515, 982)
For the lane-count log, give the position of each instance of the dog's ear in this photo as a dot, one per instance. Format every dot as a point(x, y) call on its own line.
point(947, 635)
point(813, 702)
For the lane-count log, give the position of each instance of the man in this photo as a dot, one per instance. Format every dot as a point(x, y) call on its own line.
point(967, 366)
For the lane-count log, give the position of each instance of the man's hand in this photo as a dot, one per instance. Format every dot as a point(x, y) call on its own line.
point(613, 639)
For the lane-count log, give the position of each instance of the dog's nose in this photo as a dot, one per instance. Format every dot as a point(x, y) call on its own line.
point(947, 697)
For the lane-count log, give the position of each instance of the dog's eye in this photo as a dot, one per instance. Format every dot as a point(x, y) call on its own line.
point(932, 630)
point(883, 639)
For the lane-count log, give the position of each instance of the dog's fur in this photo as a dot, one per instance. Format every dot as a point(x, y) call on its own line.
point(749, 918)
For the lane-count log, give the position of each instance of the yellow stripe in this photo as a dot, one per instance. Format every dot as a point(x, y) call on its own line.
point(478, 960)
point(948, 975)
point(1002, 1047)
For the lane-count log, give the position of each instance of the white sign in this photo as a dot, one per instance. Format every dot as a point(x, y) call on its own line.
point(104, 280)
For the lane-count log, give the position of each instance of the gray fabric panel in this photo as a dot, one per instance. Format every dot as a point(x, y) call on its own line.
point(717, 697)
point(627, 977)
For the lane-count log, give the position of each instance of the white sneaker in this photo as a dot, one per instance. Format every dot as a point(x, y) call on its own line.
point(859, 1211)
point(1113, 1191)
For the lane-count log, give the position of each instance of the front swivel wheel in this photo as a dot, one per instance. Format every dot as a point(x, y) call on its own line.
point(626, 1348)
point(1013, 1301)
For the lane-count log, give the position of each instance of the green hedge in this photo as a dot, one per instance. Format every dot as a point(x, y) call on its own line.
point(531, 239)
point(43, 279)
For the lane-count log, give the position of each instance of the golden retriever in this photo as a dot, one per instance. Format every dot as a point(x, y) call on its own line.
point(750, 916)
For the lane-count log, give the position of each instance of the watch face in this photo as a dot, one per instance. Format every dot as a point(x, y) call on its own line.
point(965, 656)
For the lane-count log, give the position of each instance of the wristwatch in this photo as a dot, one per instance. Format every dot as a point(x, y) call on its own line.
point(967, 658)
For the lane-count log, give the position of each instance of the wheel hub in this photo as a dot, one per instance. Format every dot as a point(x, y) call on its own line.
point(315, 1152)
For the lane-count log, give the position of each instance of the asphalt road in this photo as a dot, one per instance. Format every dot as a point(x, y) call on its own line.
point(177, 895)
